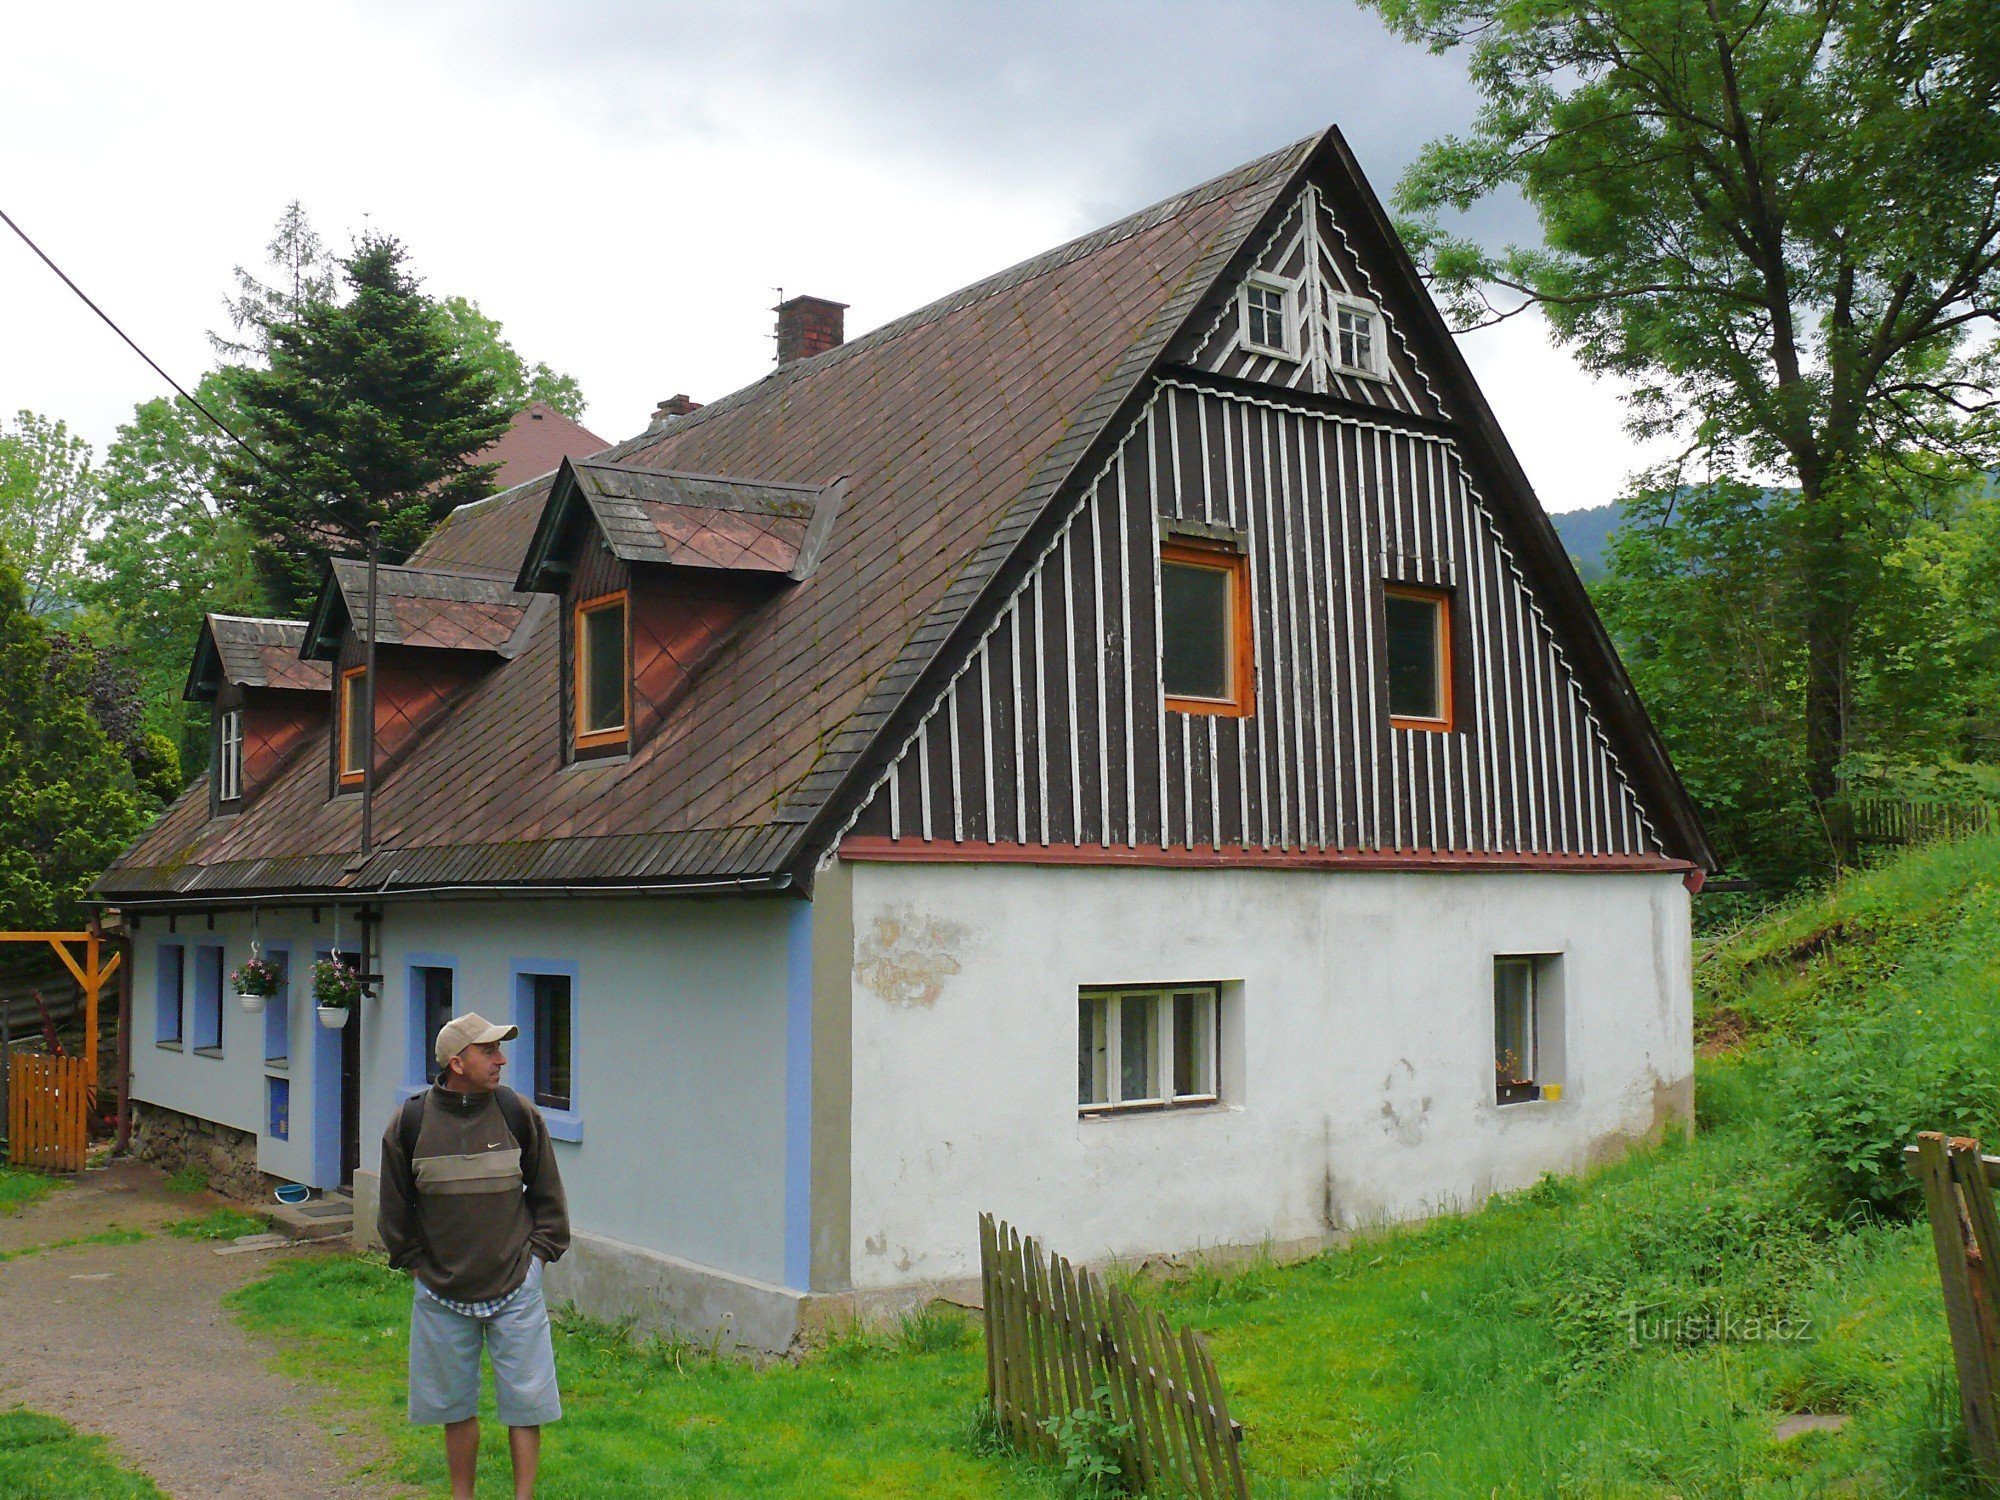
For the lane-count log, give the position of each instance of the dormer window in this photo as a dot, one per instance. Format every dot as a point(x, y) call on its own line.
point(353, 726)
point(229, 757)
point(1357, 328)
point(1267, 317)
point(603, 678)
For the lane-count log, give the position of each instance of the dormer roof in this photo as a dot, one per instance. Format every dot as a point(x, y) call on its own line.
point(446, 609)
point(683, 520)
point(252, 652)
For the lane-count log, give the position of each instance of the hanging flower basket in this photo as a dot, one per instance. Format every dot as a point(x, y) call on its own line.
point(256, 980)
point(336, 991)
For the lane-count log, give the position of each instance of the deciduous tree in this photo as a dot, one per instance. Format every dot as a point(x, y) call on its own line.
point(49, 502)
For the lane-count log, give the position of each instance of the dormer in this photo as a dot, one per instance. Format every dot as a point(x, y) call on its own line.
point(655, 571)
point(264, 702)
point(440, 630)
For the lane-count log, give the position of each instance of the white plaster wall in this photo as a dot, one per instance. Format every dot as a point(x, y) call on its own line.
point(1364, 1075)
point(231, 1089)
point(679, 1059)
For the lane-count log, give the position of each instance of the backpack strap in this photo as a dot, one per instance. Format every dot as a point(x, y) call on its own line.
point(409, 1124)
point(512, 1109)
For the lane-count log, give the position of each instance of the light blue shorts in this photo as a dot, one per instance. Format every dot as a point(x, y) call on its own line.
point(444, 1359)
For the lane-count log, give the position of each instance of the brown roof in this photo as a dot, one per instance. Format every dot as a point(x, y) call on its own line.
point(953, 430)
point(538, 439)
point(446, 609)
point(250, 652)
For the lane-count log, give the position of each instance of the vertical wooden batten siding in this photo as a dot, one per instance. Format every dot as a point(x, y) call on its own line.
point(1334, 508)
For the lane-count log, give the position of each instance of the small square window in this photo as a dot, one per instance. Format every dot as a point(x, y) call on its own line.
point(1357, 330)
point(1527, 1028)
point(229, 758)
point(1267, 317)
point(353, 725)
point(1153, 1047)
point(1205, 645)
point(1418, 649)
point(603, 679)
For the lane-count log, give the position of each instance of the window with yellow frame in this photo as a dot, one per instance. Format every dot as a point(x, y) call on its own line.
point(603, 686)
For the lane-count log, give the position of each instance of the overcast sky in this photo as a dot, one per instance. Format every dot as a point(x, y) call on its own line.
point(623, 185)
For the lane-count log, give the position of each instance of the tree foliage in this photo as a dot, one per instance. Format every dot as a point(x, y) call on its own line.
point(1777, 219)
point(521, 384)
point(68, 802)
point(306, 275)
point(49, 502)
point(368, 414)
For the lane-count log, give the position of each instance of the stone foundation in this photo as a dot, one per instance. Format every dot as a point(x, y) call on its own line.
point(171, 1140)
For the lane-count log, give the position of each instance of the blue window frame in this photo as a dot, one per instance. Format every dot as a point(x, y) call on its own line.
point(546, 1010)
point(278, 1012)
point(429, 995)
point(170, 995)
point(207, 1019)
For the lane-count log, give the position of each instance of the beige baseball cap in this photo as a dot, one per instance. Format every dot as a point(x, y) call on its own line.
point(461, 1032)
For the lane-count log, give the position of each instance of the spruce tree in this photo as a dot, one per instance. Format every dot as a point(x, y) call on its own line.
point(368, 414)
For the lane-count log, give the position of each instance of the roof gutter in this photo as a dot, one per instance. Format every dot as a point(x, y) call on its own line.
point(374, 895)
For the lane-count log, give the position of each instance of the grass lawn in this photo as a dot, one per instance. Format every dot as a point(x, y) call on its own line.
point(1637, 1332)
point(42, 1459)
point(19, 1188)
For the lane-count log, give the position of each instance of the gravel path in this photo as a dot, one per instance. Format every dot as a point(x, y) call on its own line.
point(131, 1342)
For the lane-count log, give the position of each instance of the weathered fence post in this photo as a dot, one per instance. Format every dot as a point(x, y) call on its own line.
point(1958, 1193)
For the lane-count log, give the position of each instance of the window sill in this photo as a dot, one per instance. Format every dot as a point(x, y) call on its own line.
point(1539, 1100)
point(277, 1065)
point(214, 1052)
point(1360, 374)
point(1423, 726)
point(584, 760)
point(1205, 1106)
point(564, 1124)
point(169, 1044)
point(1288, 355)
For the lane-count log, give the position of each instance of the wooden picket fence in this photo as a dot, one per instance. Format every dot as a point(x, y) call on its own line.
point(1958, 1188)
point(1897, 821)
point(1056, 1336)
point(48, 1111)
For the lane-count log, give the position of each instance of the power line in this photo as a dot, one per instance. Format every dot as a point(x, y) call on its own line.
point(220, 425)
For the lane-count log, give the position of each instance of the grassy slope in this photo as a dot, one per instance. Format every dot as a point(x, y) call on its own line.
point(1491, 1354)
point(42, 1459)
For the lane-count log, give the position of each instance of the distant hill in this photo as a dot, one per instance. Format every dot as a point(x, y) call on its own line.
point(1585, 532)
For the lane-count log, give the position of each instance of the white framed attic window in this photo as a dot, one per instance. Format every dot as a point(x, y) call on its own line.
point(229, 757)
point(1269, 323)
point(1357, 337)
point(1151, 1048)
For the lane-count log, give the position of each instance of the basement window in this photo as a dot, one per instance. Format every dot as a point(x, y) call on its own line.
point(1357, 337)
point(1527, 1027)
point(1205, 642)
point(1419, 657)
point(229, 758)
point(1147, 1048)
point(1267, 317)
point(353, 726)
point(603, 677)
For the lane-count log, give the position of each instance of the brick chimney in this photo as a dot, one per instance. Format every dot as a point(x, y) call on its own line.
point(677, 405)
point(809, 326)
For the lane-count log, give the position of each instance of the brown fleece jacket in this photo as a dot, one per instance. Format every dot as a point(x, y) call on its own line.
point(468, 1211)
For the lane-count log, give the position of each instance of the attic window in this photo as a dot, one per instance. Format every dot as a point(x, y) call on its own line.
point(1357, 328)
point(1205, 649)
point(353, 726)
point(229, 757)
point(603, 676)
point(1267, 317)
point(1419, 658)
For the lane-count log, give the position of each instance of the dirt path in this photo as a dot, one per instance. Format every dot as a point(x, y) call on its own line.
point(131, 1342)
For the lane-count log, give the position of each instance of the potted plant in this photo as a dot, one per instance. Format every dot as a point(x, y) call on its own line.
point(1508, 1087)
point(257, 979)
point(336, 991)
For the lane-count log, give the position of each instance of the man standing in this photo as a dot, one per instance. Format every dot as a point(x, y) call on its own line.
point(473, 1207)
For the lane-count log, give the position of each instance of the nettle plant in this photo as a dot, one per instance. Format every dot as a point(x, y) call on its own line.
point(258, 976)
point(336, 984)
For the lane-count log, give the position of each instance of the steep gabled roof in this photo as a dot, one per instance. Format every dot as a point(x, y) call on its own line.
point(535, 442)
point(956, 431)
point(247, 651)
point(449, 609)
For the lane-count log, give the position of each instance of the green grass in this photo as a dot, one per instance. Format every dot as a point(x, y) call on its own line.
point(19, 1188)
point(42, 1459)
point(220, 1224)
point(1490, 1354)
point(113, 1236)
point(188, 1179)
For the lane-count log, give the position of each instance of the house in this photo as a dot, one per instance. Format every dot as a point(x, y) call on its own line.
point(1121, 747)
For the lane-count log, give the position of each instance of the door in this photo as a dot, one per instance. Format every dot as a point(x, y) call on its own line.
point(350, 1097)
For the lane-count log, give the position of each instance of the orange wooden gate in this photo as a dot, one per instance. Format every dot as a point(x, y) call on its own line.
point(48, 1110)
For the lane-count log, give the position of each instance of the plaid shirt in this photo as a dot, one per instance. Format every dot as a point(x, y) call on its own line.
point(484, 1309)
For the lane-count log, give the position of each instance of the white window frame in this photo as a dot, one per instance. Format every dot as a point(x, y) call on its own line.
point(1377, 332)
point(229, 763)
point(1098, 1008)
point(1288, 295)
